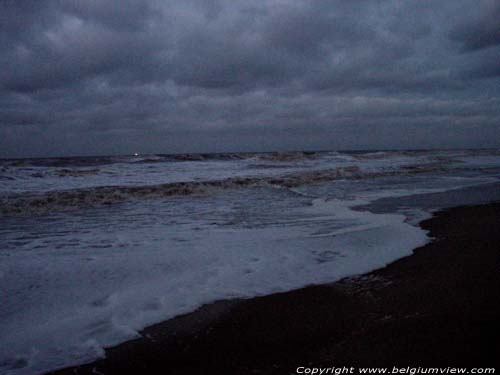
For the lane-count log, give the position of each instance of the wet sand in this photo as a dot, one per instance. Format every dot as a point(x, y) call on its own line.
point(438, 307)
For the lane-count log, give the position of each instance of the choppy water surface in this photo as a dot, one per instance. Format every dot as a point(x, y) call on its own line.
point(95, 249)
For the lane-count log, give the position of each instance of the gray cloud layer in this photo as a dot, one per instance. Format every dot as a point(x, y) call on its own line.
point(98, 77)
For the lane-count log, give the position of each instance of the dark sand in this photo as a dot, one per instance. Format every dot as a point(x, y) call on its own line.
point(438, 307)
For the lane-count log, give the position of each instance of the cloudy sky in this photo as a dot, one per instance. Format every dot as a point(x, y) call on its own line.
point(120, 76)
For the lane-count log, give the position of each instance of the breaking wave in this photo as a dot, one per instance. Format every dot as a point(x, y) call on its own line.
point(106, 195)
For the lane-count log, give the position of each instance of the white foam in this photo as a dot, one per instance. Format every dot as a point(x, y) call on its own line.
point(63, 308)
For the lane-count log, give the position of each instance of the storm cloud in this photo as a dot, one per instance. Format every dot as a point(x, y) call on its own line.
point(100, 77)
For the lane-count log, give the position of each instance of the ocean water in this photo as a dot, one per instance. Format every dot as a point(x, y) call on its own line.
point(93, 249)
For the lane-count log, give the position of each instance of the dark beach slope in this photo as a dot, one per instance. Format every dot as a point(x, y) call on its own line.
point(438, 307)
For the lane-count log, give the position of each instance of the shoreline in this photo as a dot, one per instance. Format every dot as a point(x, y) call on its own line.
point(436, 307)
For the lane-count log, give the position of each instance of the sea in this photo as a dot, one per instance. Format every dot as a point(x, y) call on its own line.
point(94, 249)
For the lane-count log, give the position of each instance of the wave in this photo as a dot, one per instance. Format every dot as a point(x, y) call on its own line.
point(286, 156)
point(424, 168)
point(106, 195)
point(76, 172)
point(65, 200)
point(94, 161)
point(261, 166)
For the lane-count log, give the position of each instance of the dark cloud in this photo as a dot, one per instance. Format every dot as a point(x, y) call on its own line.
point(481, 28)
point(214, 75)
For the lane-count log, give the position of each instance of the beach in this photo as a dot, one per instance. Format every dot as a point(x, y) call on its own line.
point(244, 262)
point(437, 307)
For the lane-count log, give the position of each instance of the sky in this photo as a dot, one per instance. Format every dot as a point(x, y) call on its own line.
point(103, 77)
